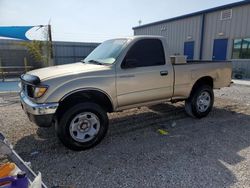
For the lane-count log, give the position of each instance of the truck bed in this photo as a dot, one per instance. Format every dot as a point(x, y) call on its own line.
point(188, 73)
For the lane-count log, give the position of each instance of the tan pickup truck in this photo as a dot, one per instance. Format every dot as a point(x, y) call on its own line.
point(119, 74)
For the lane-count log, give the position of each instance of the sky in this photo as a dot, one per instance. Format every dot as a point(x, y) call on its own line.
point(94, 20)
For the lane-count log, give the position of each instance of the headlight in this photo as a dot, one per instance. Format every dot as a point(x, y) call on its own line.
point(40, 91)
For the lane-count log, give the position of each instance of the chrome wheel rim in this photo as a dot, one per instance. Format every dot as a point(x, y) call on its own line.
point(84, 127)
point(203, 101)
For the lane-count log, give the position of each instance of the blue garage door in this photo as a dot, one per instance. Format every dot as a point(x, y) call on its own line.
point(220, 49)
point(189, 50)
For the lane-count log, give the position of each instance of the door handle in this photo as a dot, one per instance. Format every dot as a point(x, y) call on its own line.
point(164, 73)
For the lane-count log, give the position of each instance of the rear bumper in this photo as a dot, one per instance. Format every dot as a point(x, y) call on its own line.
point(40, 114)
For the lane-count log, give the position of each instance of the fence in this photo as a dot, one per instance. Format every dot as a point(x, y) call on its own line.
point(69, 52)
point(13, 71)
point(15, 59)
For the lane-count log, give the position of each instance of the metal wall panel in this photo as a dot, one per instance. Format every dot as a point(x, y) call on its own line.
point(12, 53)
point(177, 32)
point(236, 27)
point(70, 52)
point(13, 57)
point(242, 66)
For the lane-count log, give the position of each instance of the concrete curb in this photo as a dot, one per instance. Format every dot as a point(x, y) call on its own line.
point(243, 85)
point(4, 92)
point(241, 82)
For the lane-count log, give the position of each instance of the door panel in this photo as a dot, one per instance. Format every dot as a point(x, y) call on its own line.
point(144, 84)
point(189, 50)
point(220, 49)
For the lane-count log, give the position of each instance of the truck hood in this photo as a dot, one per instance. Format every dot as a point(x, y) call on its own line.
point(64, 70)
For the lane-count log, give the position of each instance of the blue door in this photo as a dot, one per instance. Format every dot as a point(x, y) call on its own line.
point(220, 49)
point(189, 50)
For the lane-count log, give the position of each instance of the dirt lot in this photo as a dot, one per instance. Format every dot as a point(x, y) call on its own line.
point(211, 152)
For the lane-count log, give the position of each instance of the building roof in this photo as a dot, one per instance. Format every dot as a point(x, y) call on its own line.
point(228, 6)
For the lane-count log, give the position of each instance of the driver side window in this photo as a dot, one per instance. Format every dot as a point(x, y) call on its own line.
point(144, 53)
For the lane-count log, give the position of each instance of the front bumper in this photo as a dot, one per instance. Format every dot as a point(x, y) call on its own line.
point(40, 114)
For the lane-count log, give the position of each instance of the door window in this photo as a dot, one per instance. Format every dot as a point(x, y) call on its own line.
point(146, 52)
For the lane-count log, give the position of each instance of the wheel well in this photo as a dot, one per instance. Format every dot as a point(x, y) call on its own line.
point(207, 80)
point(85, 96)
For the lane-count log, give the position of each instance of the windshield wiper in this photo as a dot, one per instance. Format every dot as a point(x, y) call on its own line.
point(95, 62)
point(82, 60)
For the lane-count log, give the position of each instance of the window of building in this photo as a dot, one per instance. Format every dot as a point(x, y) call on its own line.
point(147, 52)
point(241, 49)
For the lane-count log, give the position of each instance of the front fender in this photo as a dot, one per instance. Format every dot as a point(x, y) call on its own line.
point(58, 89)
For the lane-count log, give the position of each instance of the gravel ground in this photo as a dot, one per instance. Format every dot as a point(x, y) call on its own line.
point(210, 152)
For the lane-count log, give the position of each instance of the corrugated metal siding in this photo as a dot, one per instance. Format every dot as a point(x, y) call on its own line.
point(12, 54)
point(242, 66)
point(69, 52)
point(177, 33)
point(236, 27)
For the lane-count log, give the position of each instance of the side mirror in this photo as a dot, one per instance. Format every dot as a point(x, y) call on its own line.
point(129, 63)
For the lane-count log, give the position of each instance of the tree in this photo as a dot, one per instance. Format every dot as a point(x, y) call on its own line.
point(40, 51)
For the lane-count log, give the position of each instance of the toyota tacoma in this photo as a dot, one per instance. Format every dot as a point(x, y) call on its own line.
point(119, 74)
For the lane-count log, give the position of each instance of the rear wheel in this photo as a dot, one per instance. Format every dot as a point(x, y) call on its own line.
point(82, 126)
point(200, 102)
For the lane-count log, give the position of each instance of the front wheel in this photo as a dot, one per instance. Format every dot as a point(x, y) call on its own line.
point(82, 126)
point(200, 102)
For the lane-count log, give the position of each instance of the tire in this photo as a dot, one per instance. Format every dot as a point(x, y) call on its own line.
point(82, 126)
point(200, 102)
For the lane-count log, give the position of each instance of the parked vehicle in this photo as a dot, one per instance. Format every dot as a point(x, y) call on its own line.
point(119, 74)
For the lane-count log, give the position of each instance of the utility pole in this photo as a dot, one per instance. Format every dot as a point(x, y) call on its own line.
point(50, 41)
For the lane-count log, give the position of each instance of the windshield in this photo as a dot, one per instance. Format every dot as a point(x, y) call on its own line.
point(107, 52)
